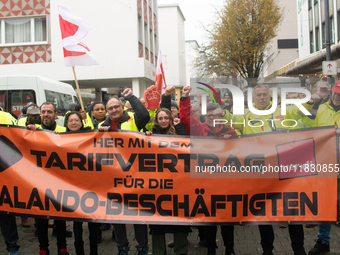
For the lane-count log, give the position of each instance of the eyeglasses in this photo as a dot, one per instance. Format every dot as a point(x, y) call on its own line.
point(75, 120)
point(113, 107)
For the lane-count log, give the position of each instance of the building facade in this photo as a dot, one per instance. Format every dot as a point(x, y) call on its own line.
point(172, 45)
point(312, 25)
point(124, 40)
point(284, 47)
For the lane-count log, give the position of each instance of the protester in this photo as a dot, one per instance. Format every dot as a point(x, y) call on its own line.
point(85, 116)
point(194, 127)
point(120, 119)
point(98, 113)
point(74, 123)
point(326, 114)
point(174, 108)
point(262, 101)
point(7, 222)
point(142, 100)
point(128, 107)
point(23, 115)
point(32, 114)
point(228, 101)
point(7, 118)
point(48, 117)
point(166, 124)
point(197, 110)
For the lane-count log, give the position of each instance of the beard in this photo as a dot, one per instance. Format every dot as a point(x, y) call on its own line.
point(227, 103)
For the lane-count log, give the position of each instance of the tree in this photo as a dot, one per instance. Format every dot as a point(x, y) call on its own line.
point(241, 35)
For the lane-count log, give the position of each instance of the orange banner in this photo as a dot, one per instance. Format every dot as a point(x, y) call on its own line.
point(128, 177)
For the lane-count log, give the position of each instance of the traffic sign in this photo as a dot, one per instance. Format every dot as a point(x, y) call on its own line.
point(329, 68)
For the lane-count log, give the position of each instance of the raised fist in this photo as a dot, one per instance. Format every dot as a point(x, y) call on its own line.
point(176, 121)
point(186, 90)
point(126, 92)
point(169, 90)
point(218, 112)
point(153, 94)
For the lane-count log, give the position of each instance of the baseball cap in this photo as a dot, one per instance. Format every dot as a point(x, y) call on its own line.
point(33, 110)
point(336, 87)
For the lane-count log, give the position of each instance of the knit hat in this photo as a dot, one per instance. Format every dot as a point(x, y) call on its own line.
point(173, 103)
point(228, 93)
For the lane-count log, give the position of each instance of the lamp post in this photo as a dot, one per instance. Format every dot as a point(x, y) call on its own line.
point(328, 39)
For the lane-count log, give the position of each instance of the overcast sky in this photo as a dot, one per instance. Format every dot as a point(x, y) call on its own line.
point(196, 11)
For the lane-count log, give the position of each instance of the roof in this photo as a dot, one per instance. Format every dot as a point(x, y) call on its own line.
point(172, 5)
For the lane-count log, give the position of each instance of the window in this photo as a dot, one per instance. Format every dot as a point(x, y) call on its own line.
point(23, 31)
point(310, 19)
point(311, 38)
point(323, 32)
point(140, 29)
point(338, 20)
point(287, 44)
point(156, 44)
point(151, 42)
point(332, 35)
point(317, 39)
point(60, 100)
point(17, 99)
point(310, 3)
point(76, 100)
point(316, 14)
point(146, 37)
point(331, 8)
point(40, 29)
point(322, 10)
point(2, 100)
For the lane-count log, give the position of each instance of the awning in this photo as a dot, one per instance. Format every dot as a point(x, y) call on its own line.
point(310, 64)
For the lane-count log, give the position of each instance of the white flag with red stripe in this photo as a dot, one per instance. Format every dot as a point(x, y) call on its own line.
point(160, 69)
point(73, 30)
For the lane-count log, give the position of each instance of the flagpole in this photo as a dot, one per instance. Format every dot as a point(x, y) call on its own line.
point(75, 78)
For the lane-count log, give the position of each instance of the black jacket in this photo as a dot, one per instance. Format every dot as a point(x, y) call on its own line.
point(141, 114)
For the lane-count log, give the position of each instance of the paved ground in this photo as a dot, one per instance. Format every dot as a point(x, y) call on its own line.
point(247, 241)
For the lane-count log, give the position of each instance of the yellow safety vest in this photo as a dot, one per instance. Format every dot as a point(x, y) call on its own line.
point(59, 129)
point(126, 125)
point(7, 118)
point(325, 116)
point(250, 123)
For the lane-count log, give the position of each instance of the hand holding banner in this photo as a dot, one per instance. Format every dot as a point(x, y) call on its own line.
point(170, 179)
point(153, 94)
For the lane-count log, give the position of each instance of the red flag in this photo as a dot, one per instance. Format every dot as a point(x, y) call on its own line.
point(159, 70)
point(73, 30)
